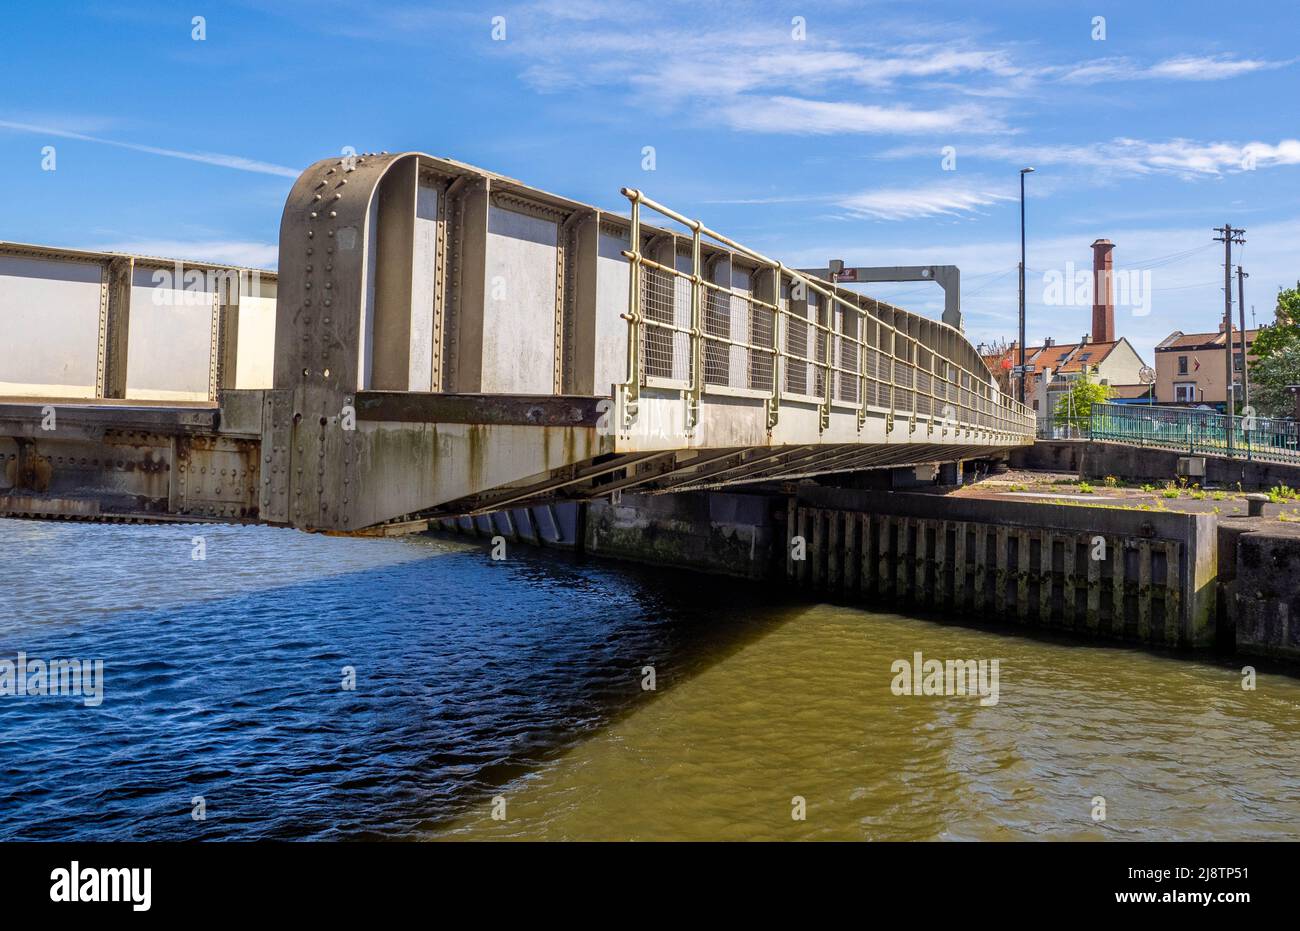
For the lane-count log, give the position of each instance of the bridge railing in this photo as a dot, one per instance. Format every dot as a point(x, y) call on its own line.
point(1197, 432)
point(755, 328)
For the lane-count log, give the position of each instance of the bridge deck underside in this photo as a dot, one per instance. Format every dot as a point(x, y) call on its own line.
point(672, 472)
point(418, 455)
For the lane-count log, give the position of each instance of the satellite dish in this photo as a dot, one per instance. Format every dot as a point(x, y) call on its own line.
point(1147, 375)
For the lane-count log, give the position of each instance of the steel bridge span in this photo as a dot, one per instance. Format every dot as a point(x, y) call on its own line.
point(441, 340)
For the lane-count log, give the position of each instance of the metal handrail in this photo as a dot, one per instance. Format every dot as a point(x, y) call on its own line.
point(972, 400)
point(1196, 432)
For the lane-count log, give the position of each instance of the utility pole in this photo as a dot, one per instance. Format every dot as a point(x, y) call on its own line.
point(1245, 363)
point(1021, 367)
point(1228, 235)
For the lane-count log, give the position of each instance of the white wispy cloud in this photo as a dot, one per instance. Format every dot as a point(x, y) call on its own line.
point(1124, 156)
point(1211, 68)
point(238, 162)
point(221, 251)
point(797, 115)
point(919, 202)
point(897, 203)
point(759, 79)
point(1181, 68)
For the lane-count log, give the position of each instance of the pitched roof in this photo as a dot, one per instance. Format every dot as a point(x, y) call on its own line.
point(1070, 357)
point(1059, 357)
point(1181, 340)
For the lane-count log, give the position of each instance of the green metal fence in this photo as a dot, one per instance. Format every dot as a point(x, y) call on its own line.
point(1197, 432)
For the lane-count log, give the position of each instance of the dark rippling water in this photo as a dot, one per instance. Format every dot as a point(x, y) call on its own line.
point(223, 676)
point(522, 679)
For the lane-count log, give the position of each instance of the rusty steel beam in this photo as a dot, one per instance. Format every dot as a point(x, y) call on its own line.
point(482, 504)
point(754, 463)
point(852, 462)
point(845, 460)
point(94, 420)
point(748, 457)
point(634, 480)
point(811, 465)
point(524, 410)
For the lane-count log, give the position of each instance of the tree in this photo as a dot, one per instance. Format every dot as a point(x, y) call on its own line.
point(1075, 409)
point(998, 358)
point(1277, 353)
point(1269, 378)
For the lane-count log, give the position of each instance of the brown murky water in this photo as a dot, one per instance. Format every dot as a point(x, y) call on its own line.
point(1176, 748)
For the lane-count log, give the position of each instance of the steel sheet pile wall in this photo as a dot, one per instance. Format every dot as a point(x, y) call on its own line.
point(1127, 575)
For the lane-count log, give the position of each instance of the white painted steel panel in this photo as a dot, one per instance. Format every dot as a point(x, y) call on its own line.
point(169, 347)
point(49, 327)
point(519, 304)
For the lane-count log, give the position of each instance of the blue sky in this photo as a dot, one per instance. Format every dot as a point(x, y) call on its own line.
point(825, 141)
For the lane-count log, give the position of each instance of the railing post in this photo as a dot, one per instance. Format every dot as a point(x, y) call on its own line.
point(862, 368)
point(826, 331)
point(697, 333)
point(632, 389)
point(893, 388)
point(916, 371)
point(778, 325)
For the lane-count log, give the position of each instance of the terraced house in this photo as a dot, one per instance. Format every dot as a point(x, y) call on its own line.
point(1054, 367)
point(1191, 369)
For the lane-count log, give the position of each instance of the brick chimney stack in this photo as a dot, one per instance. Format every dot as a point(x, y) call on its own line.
point(1103, 293)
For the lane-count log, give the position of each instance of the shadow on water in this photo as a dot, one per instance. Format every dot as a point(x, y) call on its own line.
point(469, 674)
point(1223, 656)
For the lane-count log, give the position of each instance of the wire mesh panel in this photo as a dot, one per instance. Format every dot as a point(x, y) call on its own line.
point(884, 368)
point(658, 303)
point(798, 343)
point(847, 324)
point(903, 381)
point(904, 375)
point(737, 338)
point(821, 349)
point(762, 336)
point(924, 384)
point(869, 338)
point(948, 393)
point(717, 327)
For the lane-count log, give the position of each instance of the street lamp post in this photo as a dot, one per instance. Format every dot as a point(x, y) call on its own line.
point(1023, 172)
